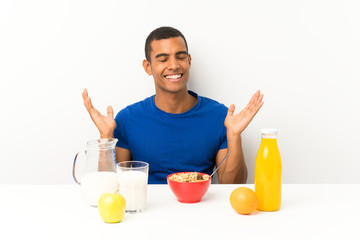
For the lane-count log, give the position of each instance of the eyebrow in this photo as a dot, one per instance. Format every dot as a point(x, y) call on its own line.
point(166, 55)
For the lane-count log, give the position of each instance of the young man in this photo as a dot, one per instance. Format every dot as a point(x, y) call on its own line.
point(176, 130)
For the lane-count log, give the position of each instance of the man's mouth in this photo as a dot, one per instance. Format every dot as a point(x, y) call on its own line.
point(173, 77)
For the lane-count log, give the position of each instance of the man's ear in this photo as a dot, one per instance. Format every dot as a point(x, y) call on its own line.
point(147, 67)
point(189, 57)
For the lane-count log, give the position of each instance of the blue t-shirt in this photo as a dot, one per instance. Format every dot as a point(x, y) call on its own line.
point(185, 142)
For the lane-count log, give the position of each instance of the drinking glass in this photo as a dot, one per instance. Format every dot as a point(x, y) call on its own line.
point(133, 179)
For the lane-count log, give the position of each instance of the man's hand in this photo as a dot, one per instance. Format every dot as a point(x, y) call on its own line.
point(237, 123)
point(105, 124)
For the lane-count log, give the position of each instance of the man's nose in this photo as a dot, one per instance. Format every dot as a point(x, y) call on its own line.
point(173, 63)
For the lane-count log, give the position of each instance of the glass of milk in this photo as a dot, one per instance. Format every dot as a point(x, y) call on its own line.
point(133, 178)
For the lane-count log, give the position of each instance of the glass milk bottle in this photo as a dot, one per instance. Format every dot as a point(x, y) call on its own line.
point(268, 171)
point(96, 173)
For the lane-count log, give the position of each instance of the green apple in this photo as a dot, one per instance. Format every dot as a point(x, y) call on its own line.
point(112, 207)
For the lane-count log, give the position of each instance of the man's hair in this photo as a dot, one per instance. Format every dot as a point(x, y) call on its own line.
point(161, 33)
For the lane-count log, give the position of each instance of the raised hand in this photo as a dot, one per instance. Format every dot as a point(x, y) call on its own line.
point(237, 123)
point(105, 124)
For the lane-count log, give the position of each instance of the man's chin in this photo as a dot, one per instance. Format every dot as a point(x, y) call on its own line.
point(174, 90)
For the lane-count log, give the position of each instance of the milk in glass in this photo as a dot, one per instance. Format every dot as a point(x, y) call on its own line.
point(133, 186)
point(94, 184)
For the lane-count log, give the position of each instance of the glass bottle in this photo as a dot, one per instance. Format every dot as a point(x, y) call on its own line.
point(268, 171)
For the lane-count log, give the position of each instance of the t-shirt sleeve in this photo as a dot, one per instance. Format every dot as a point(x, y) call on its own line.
point(223, 142)
point(120, 131)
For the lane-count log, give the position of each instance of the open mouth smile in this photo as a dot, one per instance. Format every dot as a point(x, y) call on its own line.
point(173, 77)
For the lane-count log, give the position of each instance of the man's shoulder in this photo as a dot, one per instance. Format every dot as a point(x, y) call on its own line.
point(212, 104)
point(136, 108)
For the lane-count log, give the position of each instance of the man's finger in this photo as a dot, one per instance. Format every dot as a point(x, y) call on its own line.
point(84, 94)
point(110, 112)
point(256, 107)
point(261, 97)
point(255, 96)
point(254, 103)
point(231, 110)
point(87, 101)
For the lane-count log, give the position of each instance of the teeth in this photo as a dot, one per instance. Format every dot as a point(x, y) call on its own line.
point(173, 76)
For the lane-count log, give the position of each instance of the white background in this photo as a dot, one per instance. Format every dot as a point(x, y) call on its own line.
point(303, 55)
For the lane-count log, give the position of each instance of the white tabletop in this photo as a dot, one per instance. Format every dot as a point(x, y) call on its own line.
point(309, 211)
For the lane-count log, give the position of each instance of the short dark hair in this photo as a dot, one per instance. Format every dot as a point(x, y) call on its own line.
point(161, 33)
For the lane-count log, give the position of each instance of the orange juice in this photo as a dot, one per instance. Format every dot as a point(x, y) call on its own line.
point(268, 172)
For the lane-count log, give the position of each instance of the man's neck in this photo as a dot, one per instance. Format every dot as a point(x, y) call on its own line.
point(175, 102)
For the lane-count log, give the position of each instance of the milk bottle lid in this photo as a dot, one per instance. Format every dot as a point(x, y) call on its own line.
point(269, 131)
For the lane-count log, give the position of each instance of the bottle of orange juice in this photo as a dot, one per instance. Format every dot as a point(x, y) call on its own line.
point(268, 172)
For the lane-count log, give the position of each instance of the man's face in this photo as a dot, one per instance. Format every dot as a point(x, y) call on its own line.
point(170, 64)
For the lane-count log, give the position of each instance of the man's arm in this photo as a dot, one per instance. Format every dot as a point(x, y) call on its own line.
point(234, 170)
point(122, 154)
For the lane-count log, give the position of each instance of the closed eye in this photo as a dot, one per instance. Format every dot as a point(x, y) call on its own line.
point(182, 55)
point(162, 59)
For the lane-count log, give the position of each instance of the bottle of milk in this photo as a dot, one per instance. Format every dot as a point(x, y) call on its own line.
point(98, 171)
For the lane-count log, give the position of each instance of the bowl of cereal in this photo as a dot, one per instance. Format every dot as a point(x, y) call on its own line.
point(189, 187)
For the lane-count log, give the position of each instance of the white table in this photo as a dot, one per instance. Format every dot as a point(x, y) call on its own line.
point(308, 211)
